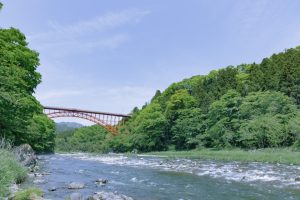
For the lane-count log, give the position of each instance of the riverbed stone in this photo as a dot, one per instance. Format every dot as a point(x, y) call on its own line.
point(74, 186)
point(110, 196)
point(76, 196)
point(52, 189)
point(26, 155)
point(297, 179)
point(13, 188)
point(38, 174)
point(39, 181)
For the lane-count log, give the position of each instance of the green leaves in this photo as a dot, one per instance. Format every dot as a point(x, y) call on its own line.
point(262, 132)
point(149, 129)
point(84, 139)
point(21, 118)
point(186, 127)
point(41, 133)
point(259, 120)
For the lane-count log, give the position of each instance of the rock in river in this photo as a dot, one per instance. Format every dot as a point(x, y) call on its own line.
point(101, 181)
point(74, 186)
point(297, 179)
point(52, 189)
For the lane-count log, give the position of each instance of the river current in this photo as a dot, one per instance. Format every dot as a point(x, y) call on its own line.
point(155, 178)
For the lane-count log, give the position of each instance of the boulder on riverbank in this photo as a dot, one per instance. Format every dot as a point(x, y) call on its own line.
point(26, 156)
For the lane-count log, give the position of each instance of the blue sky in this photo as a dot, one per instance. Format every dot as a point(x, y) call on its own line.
point(112, 55)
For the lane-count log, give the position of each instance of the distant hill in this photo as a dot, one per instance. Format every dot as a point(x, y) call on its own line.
point(67, 126)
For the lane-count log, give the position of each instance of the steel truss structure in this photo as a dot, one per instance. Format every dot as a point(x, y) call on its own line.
point(110, 121)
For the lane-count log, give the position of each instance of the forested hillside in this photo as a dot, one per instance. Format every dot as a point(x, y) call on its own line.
point(21, 115)
point(248, 106)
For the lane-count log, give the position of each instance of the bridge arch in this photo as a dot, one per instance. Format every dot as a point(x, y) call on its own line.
point(110, 121)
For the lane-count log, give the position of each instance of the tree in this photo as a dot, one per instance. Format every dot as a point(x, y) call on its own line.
point(149, 129)
point(157, 95)
point(222, 121)
point(186, 127)
point(181, 99)
point(18, 79)
point(214, 85)
point(268, 120)
point(21, 118)
point(89, 139)
point(41, 134)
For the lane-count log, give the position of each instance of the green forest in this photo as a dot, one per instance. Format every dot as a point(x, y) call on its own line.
point(250, 106)
point(21, 115)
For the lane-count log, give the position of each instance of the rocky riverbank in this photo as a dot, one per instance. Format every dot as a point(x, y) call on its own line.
point(110, 177)
point(85, 176)
point(77, 186)
point(27, 157)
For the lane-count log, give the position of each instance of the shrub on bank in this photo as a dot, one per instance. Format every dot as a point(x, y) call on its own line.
point(30, 193)
point(11, 171)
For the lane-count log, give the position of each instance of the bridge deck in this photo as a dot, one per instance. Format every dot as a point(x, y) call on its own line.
point(85, 111)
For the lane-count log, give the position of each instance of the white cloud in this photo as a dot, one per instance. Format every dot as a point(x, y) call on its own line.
point(101, 23)
point(87, 35)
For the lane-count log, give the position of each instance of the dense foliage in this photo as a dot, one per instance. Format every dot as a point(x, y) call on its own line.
point(21, 116)
point(84, 139)
point(248, 106)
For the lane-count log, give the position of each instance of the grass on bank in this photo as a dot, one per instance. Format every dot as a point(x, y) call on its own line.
point(283, 156)
point(11, 171)
point(29, 193)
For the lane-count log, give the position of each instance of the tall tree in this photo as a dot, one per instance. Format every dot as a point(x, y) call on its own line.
point(19, 110)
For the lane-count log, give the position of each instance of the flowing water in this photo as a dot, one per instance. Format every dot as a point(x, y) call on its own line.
point(151, 178)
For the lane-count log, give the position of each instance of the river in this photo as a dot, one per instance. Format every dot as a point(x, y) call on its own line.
point(151, 178)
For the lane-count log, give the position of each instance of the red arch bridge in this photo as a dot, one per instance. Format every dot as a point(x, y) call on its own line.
point(110, 121)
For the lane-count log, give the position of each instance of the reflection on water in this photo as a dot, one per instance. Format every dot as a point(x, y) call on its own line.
point(159, 178)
